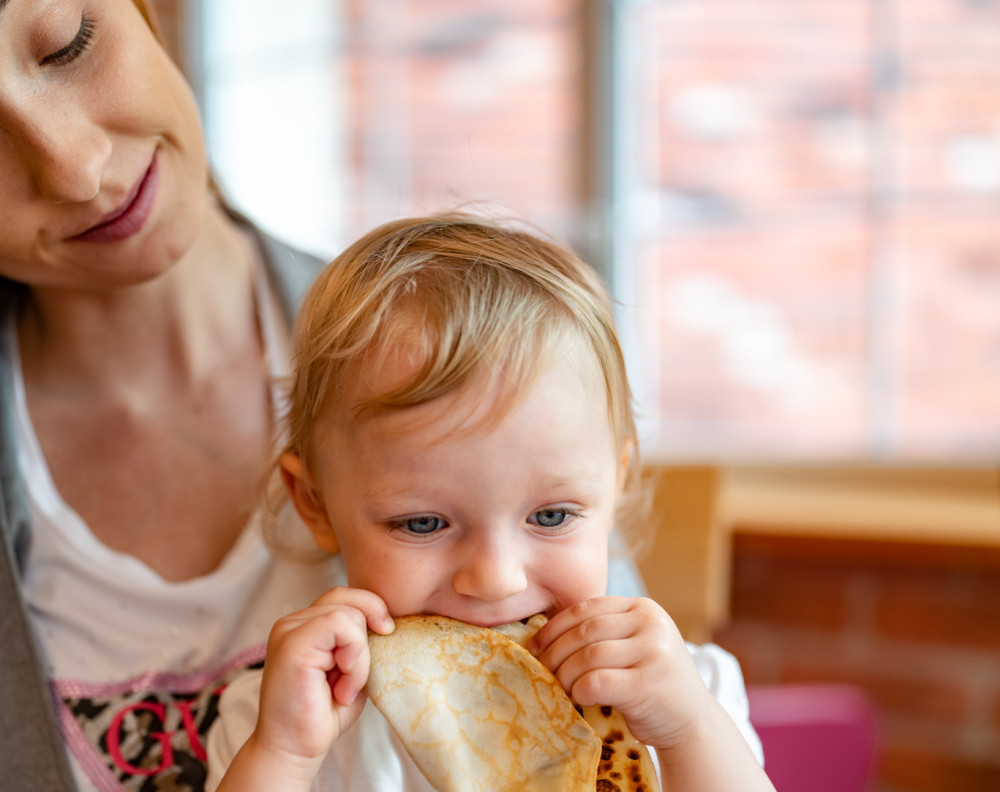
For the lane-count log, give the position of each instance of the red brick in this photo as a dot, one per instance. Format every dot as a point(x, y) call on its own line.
point(937, 734)
point(895, 692)
point(922, 770)
point(813, 596)
point(772, 584)
point(949, 606)
point(899, 680)
point(758, 647)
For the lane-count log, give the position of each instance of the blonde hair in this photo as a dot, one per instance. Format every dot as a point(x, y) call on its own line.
point(149, 14)
point(471, 298)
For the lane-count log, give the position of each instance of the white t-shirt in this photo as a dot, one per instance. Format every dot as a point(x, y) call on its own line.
point(369, 757)
point(105, 621)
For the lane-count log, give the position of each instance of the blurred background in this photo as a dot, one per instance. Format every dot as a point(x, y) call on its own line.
point(797, 205)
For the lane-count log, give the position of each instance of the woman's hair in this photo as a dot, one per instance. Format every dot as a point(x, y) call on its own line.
point(149, 14)
point(469, 301)
point(148, 10)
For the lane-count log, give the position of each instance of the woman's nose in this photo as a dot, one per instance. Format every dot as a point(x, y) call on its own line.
point(65, 153)
point(490, 571)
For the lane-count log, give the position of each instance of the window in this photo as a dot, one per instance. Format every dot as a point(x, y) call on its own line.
point(339, 115)
point(797, 200)
point(271, 83)
point(806, 200)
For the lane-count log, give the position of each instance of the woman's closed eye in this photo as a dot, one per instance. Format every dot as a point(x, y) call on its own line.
point(75, 48)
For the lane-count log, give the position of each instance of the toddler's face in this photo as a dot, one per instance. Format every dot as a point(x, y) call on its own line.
point(437, 512)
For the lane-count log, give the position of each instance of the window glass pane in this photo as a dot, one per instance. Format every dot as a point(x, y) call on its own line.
point(326, 117)
point(466, 103)
point(273, 95)
point(804, 193)
point(808, 201)
point(750, 139)
point(944, 116)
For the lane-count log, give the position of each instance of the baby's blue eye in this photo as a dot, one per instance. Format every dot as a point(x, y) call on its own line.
point(550, 518)
point(424, 524)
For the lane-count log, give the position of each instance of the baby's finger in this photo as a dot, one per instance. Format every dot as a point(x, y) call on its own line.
point(623, 673)
point(583, 626)
point(572, 617)
point(375, 611)
point(350, 674)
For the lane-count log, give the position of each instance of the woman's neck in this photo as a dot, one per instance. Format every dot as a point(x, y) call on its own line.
point(167, 332)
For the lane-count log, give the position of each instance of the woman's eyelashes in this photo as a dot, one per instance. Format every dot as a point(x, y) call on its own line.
point(75, 48)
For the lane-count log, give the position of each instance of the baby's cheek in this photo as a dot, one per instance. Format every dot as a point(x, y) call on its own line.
point(578, 580)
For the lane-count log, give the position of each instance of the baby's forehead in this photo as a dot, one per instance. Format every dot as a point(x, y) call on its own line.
point(395, 377)
point(486, 402)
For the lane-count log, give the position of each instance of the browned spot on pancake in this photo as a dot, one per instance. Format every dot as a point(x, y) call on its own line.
point(633, 755)
point(606, 711)
point(603, 785)
point(614, 737)
point(607, 752)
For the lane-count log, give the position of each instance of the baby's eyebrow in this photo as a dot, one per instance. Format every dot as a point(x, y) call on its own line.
point(381, 495)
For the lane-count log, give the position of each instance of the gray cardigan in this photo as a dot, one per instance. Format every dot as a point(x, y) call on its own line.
point(32, 753)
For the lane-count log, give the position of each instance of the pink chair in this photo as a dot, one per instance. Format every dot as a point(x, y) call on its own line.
point(816, 738)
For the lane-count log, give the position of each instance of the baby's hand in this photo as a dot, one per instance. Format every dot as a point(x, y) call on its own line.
point(317, 664)
point(626, 652)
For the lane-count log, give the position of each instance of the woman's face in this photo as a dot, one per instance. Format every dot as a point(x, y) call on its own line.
point(102, 166)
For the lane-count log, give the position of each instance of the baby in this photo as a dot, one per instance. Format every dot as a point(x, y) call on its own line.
point(460, 432)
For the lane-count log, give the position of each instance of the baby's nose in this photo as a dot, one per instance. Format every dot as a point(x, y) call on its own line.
point(491, 571)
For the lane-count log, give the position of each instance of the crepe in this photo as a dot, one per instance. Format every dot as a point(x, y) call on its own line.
point(478, 713)
point(625, 762)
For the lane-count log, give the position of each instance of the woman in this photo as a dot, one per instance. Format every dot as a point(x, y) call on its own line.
point(142, 327)
point(136, 400)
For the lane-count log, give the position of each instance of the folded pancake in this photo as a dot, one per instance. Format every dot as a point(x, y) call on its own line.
point(478, 713)
point(625, 762)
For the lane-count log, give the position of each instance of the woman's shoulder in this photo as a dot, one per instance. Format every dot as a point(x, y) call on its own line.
point(290, 268)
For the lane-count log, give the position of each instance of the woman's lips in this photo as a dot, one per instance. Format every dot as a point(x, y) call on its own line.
point(131, 216)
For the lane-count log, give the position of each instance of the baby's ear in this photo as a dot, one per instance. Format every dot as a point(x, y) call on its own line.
point(308, 502)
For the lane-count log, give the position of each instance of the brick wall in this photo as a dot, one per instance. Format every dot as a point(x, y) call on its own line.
point(916, 625)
